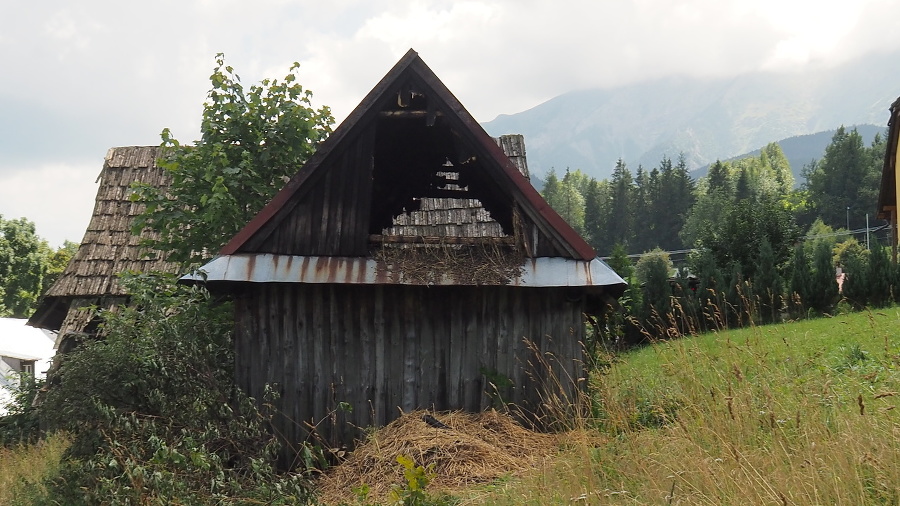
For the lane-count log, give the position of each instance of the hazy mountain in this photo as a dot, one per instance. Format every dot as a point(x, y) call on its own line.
point(706, 119)
point(800, 150)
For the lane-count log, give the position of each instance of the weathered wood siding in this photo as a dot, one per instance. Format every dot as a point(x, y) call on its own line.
point(383, 348)
point(331, 216)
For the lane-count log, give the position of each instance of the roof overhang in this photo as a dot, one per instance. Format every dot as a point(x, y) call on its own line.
point(268, 268)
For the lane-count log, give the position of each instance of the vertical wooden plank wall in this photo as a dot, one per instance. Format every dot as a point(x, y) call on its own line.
point(385, 348)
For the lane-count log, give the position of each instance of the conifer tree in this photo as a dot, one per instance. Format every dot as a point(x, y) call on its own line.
point(767, 284)
point(878, 276)
point(823, 289)
point(595, 211)
point(801, 276)
point(652, 272)
point(620, 223)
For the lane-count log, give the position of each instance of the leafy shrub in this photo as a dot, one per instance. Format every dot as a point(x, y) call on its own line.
point(154, 412)
point(20, 424)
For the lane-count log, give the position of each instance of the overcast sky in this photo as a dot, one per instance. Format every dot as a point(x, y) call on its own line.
point(81, 77)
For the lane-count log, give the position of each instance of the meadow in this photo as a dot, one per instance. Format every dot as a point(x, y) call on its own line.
point(794, 414)
point(797, 413)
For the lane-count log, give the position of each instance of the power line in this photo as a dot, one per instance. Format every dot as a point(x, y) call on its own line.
point(804, 238)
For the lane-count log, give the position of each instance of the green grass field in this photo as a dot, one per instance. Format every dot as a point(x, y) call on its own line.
point(800, 413)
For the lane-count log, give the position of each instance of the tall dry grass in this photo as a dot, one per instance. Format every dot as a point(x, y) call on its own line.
point(24, 468)
point(799, 413)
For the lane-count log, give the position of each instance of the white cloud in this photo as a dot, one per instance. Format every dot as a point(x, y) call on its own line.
point(58, 198)
point(85, 76)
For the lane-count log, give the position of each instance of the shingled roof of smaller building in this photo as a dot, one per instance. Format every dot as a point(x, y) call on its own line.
point(108, 247)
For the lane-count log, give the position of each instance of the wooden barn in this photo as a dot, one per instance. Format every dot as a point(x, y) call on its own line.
point(409, 264)
point(107, 249)
point(887, 197)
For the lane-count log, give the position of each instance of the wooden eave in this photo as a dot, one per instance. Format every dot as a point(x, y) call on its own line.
point(504, 179)
point(887, 196)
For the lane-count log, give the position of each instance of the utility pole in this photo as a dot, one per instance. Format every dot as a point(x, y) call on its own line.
point(867, 231)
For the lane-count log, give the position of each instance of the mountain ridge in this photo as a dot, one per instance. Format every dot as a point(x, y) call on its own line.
point(706, 119)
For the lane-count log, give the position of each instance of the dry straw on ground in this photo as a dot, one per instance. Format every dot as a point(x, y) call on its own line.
point(474, 448)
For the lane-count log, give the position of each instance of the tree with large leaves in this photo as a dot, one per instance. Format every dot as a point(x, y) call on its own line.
point(252, 142)
point(23, 265)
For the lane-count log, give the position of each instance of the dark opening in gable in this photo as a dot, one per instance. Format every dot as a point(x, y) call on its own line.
point(427, 183)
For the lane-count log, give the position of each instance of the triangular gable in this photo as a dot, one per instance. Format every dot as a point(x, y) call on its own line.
point(342, 194)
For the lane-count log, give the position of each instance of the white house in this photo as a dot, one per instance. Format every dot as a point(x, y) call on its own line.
point(23, 349)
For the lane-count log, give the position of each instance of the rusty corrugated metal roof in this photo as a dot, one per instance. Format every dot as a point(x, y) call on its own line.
point(268, 268)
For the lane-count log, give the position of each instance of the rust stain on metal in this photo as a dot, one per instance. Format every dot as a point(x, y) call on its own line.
point(251, 266)
point(532, 272)
point(289, 265)
point(304, 267)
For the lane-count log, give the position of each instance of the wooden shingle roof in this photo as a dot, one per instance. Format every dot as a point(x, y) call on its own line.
point(108, 247)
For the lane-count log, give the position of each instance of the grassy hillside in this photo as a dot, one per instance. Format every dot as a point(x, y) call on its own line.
point(803, 413)
point(800, 413)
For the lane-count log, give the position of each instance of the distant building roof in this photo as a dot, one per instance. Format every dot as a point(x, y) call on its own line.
point(20, 343)
point(108, 247)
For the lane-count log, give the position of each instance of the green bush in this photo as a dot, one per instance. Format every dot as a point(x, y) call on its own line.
point(154, 412)
point(20, 424)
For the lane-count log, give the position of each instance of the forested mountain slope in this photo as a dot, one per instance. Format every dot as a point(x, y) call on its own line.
point(707, 119)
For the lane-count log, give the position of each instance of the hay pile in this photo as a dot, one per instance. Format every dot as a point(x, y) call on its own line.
point(474, 448)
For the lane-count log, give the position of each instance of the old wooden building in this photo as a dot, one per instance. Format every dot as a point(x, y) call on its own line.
point(887, 196)
point(408, 264)
point(108, 248)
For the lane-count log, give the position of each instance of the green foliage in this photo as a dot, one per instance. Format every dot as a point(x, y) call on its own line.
point(708, 295)
point(847, 251)
point(21, 423)
point(620, 262)
point(23, 266)
point(801, 279)
point(567, 199)
point(879, 276)
point(412, 492)
point(417, 478)
point(252, 142)
point(620, 224)
point(596, 202)
point(823, 289)
point(57, 262)
point(652, 272)
point(718, 179)
point(845, 182)
point(768, 285)
point(154, 413)
point(743, 227)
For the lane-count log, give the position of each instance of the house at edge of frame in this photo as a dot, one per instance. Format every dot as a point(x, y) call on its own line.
point(360, 291)
point(887, 197)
